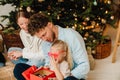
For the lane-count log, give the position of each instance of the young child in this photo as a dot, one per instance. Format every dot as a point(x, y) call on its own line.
point(60, 60)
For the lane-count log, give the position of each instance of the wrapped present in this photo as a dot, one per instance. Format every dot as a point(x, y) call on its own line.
point(29, 71)
point(42, 73)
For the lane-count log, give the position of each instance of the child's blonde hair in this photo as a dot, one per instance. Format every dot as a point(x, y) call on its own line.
point(59, 44)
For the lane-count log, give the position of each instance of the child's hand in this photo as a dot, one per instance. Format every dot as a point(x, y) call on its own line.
point(54, 63)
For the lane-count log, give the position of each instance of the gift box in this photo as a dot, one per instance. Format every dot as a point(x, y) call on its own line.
point(34, 73)
point(29, 71)
point(42, 74)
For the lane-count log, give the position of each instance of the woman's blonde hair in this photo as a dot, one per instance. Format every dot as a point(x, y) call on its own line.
point(63, 45)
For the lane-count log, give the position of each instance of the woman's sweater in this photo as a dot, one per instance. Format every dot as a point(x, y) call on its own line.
point(32, 46)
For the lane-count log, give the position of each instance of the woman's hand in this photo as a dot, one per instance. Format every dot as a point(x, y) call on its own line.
point(14, 55)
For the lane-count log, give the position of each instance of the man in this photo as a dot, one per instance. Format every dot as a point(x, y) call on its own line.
point(43, 28)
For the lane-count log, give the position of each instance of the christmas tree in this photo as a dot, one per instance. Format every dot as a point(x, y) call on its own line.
point(82, 15)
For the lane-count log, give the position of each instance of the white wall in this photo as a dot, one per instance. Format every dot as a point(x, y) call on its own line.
point(4, 10)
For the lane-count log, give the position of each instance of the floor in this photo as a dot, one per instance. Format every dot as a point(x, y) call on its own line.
point(104, 68)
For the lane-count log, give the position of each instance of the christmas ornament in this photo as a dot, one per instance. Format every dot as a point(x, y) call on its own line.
point(75, 15)
point(112, 17)
point(93, 51)
point(76, 19)
point(83, 28)
point(86, 34)
point(58, 17)
point(87, 18)
point(40, 11)
point(73, 27)
point(60, 0)
point(28, 9)
point(48, 13)
point(109, 2)
point(97, 24)
point(89, 27)
point(103, 21)
point(93, 23)
point(95, 2)
point(40, 0)
point(84, 23)
point(83, 7)
point(99, 18)
point(106, 11)
point(101, 8)
point(85, 38)
point(94, 41)
point(20, 8)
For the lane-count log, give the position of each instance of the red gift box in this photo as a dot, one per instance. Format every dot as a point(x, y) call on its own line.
point(29, 71)
point(42, 74)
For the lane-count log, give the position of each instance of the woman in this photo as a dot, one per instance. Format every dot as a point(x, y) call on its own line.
point(31, 53)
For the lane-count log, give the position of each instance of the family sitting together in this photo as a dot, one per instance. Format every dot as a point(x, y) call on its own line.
point(46, 44)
